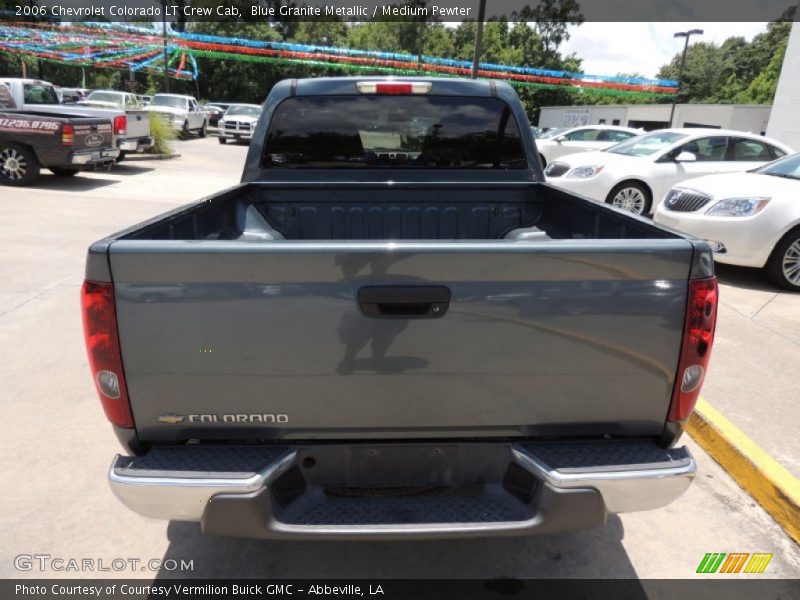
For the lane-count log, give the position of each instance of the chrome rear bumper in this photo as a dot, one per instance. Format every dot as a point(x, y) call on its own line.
point(524, 488)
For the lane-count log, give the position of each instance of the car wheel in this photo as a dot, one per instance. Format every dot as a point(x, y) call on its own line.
point(185, 130)
point(632, 197)
point(544, 162)
point(222, 140)
point(63, 171)
point(783, 266)
point(122, 155)
point(203, 130)
point(18, 165)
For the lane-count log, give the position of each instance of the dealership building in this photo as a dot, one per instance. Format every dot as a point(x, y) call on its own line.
point(780, 121)
point(741, 117)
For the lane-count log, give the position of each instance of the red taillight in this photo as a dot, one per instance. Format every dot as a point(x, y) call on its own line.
point(67, 135)
point(394, 88)
point(120, 125)
point(102, 345)
point(698, 337)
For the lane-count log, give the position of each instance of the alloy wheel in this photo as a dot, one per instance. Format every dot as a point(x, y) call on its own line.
point(13, 163)
point(631, 199)
point(791, 263)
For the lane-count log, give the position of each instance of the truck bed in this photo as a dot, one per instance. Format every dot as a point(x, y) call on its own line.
point(396, 211)
point(311, 307)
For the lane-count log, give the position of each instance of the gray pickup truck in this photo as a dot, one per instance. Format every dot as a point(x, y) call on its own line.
point(63, 143)
point(394, 328)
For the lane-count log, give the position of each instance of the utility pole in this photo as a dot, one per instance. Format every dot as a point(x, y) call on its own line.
point(479, 39)
point(687, 35)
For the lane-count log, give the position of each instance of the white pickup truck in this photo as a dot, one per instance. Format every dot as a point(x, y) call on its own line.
point(138, 138)
point(131, 124)
point(181, 112)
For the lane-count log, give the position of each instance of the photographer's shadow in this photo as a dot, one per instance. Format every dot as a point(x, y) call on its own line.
point(591, 554)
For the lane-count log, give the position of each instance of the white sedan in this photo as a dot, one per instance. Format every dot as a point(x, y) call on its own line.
point(560, 142)
point(751, 219)
point(636, 173)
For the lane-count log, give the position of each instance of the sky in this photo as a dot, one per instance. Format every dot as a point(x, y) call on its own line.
point(611, 48)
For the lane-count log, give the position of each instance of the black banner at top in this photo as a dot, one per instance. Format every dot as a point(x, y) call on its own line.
point(398, 589)
point(392, 10)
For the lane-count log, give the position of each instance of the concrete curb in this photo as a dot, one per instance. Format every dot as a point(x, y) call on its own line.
point(760, 475)
point(136, 157)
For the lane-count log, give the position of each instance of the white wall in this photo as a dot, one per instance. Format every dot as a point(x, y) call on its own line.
point(784, 122)
point(557, 116)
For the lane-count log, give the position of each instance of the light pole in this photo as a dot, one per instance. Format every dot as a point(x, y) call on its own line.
point(164, 33)
point(687, 35)
point(476, 62)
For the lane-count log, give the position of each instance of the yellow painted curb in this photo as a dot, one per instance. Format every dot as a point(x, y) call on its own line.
point(761, 476)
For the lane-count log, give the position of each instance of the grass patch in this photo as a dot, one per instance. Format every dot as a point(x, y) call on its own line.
point(162, 133)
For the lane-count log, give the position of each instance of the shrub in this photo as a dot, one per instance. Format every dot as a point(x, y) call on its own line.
point(162, 134)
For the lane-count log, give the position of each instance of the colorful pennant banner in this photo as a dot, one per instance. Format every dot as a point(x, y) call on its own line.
point(122, 46)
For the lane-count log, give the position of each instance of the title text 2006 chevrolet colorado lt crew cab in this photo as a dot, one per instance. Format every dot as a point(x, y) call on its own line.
point(393, 328)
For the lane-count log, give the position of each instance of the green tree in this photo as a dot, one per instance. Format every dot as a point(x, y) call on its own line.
point(734, 71)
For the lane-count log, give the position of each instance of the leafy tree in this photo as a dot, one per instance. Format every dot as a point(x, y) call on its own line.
point(728, 72)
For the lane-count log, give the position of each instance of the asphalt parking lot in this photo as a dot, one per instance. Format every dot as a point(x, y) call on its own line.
point(56, 445)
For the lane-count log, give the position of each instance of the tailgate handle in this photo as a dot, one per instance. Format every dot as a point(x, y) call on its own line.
point(404, 301)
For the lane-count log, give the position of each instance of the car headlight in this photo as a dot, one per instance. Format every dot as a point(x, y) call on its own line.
point(584, 172)
point(737, 207)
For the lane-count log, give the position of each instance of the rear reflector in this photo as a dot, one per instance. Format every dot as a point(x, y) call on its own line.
point(67, 135)
point(120, 125)
point(698, 337)
point(102, 345)
point(394, 88)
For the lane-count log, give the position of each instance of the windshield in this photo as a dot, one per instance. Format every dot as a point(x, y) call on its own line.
point(788, 167)
point(250, 111)
point(172, 101)
point(441, 132)
point(105, 97)
point(647, 144)
point(551, 133)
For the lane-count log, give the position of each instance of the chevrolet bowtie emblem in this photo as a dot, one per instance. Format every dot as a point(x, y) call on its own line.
point(170, 419)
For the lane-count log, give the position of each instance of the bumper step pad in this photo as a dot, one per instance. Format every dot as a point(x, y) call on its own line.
point(466, 490)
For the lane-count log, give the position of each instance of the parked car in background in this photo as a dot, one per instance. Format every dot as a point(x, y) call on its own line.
point(635, 174)
point(71, 95)
point(111, 99)
point(752, 219)
point(137, 137)
point(214, 112)
point(581, 139)
point(131, 126)
point(239, 122)
point(182, 113)
point(65, 144)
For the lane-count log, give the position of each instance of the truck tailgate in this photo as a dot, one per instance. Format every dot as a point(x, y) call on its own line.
point(92, 133)
point(238, 340)
point(138, 123)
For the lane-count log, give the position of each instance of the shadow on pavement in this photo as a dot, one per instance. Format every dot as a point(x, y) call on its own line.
point(596, 553)
point(78, 183)
point(126, 169)
point(744, 277)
